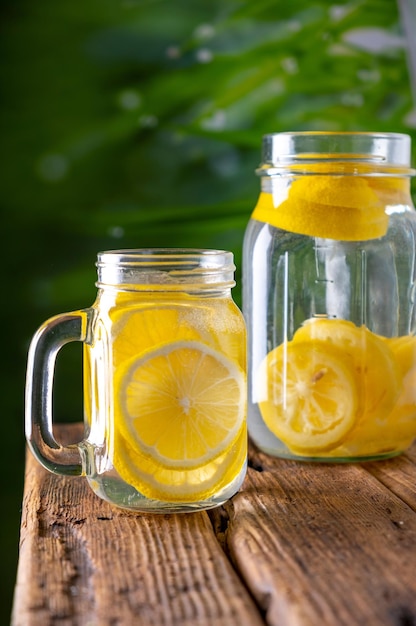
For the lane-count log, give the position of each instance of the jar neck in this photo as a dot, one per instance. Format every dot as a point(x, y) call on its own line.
point(165, 270)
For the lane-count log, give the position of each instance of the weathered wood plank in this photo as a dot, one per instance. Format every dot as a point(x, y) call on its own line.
point(314, 543)
point(399, 475)
point(84, 562)
point(324, 544)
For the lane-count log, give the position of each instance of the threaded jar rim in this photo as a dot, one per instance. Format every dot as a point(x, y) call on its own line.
point(166, 269)
point(346, 152)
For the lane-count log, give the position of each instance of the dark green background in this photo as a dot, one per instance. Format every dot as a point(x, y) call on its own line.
point(132, 123)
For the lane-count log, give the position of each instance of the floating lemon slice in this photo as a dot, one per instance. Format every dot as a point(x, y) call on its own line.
point(182, 404)
point(309, 395)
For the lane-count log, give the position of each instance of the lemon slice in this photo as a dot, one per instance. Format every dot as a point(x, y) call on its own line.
point(391, 190)
point(333, 207)
point(402, 420)
point(404, 351)
point(374, 365)
point(182, 404)
point(309, 394)
point(140, 328)
point(179, 485)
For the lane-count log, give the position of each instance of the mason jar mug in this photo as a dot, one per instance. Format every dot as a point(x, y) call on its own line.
point(164, 382)
point(329, 297)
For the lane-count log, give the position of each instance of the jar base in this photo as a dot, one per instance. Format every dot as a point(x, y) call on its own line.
point(367, 451)
point(288, 456)
point(334, 460)
point(124, 496)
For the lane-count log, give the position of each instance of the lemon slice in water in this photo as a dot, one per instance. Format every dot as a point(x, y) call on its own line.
point(373, 363)
point(140, 328)
point(179, 485)
point(332, 207)
point(180, 426)
point(183, 403)
point(308, 395)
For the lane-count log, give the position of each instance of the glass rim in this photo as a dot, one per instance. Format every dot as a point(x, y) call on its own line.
point(179, 266)
point(203, 257)
point(379, 151)
point(162, 252)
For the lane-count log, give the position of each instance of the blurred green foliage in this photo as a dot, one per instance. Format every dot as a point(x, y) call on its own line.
point(134, 123)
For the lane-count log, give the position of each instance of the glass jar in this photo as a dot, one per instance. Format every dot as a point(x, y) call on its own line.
point(329, 297)
point(164, 382)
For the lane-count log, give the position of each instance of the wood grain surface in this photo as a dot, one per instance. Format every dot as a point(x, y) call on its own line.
point(301, 544)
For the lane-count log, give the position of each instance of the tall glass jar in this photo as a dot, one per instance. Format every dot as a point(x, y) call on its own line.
point(329, 297)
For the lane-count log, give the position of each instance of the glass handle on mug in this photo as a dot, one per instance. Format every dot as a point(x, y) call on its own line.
point(44, 347)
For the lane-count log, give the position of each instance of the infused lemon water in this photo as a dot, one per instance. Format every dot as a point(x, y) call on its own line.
point(168, 369)
point(328, 296)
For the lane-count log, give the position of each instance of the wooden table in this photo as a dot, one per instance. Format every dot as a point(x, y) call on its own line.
point(300, 545)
